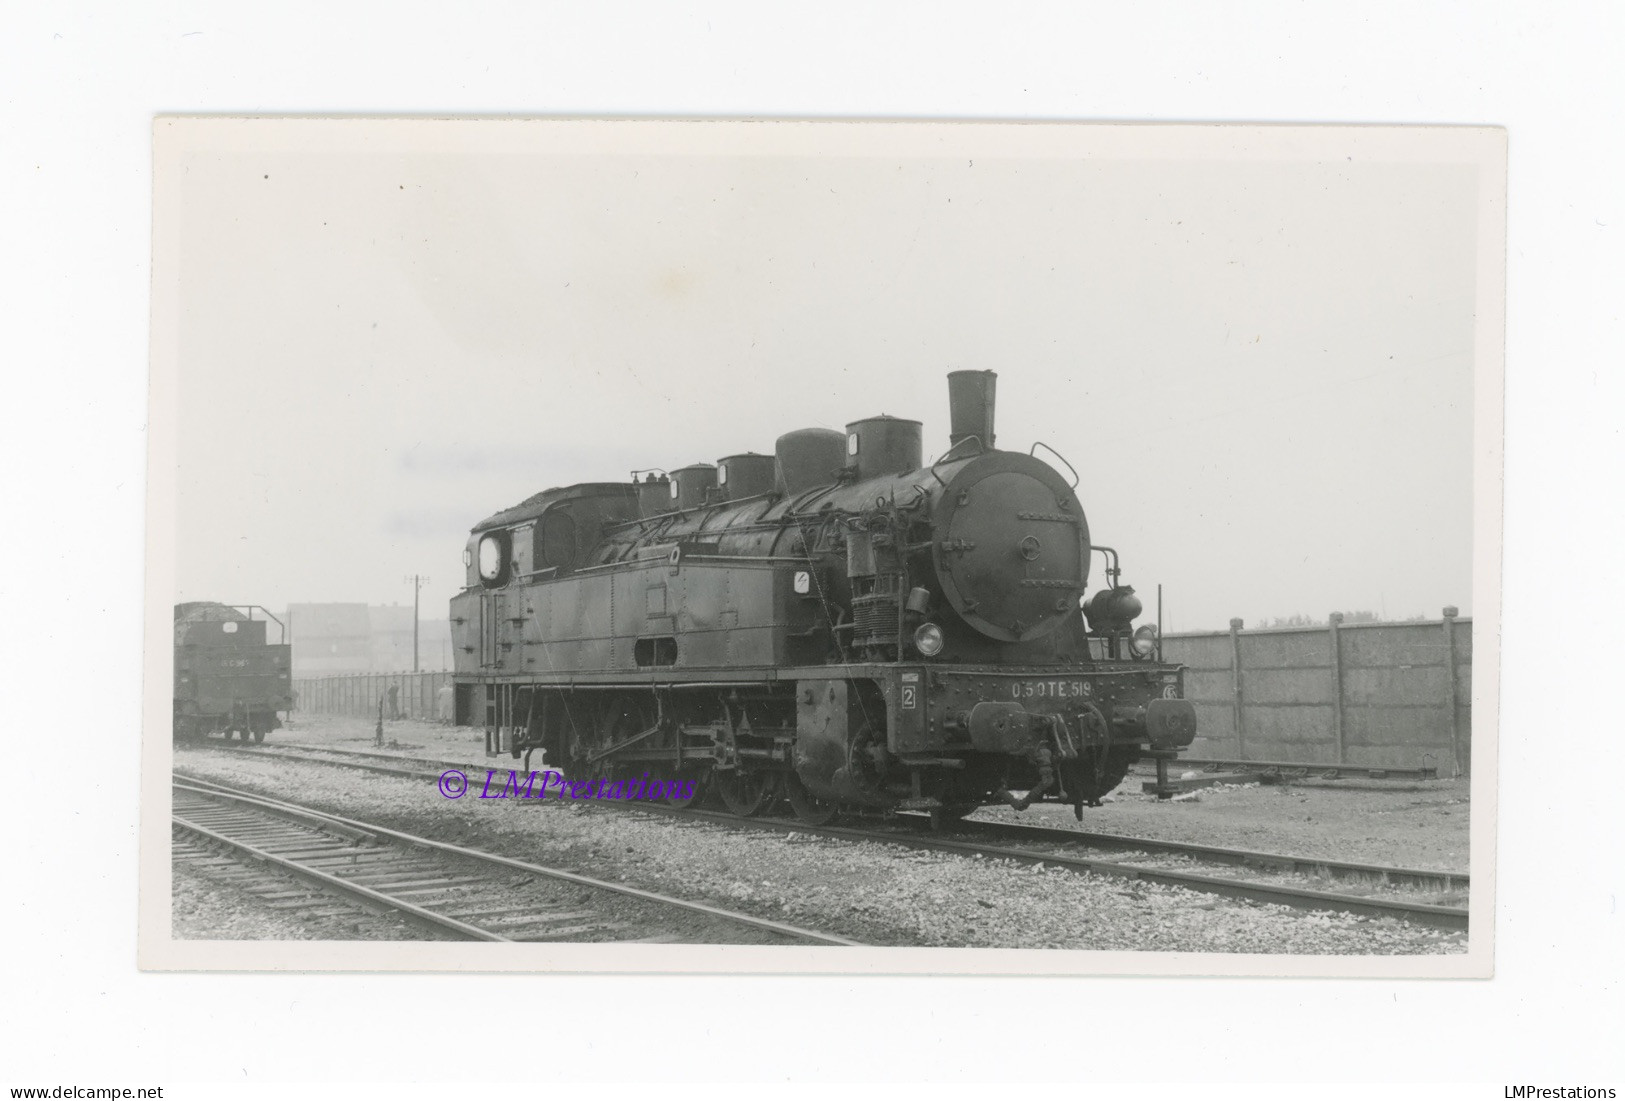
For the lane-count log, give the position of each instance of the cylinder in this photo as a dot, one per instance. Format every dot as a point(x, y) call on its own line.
point(970, 406)
point(807, 458)
point(882, 445)
point(747, 475)
point(691, 486)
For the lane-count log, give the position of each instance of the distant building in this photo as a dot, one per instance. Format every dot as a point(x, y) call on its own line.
point(331, 639)
point(392, 641)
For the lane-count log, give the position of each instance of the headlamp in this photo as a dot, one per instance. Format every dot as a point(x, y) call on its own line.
point(928, 640)
point(1144, 642)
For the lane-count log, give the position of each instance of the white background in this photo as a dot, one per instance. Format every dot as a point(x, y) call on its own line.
point(78, 88)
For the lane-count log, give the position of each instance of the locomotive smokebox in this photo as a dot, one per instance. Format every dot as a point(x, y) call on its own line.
point(970, 406)
point(882, 445)
point(748, 475)
point(807, 458)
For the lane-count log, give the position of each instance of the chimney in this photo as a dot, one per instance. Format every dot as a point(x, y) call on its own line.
point(970, 406)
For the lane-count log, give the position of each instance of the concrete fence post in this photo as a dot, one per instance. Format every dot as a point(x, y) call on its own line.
point(1451, 684)
point(1332, 622)
point(1235, 679)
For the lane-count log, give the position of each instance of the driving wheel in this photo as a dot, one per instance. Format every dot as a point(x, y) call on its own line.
point(808, 807)
point(745, 793)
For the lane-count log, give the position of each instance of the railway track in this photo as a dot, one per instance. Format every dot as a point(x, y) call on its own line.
point(316, 909)
point(365, 760)
point(1251, 890)
point(447, 891)
point(1031, 836)
point(1265, 877)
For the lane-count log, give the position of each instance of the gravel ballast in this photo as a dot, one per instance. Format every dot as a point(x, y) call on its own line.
point(1421, 824)
point(1410, 825)
point(876, 893)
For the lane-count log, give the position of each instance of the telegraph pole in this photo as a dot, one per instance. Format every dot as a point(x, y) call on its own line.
point(417, 581)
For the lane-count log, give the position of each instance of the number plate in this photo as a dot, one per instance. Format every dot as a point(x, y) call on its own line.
point(1062, 689)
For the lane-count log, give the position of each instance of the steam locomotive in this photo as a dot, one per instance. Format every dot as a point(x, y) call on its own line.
point(227, 677)
point(837, 623)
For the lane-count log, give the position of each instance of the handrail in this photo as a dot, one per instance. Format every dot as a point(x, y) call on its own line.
point(951, 449)
point(1040, 443)
point(1114, 566)
point(282, 628)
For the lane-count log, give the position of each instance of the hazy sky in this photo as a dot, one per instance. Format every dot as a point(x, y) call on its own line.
point(1261, 368)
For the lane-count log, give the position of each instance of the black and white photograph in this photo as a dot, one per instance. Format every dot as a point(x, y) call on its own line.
point(663, 545)
point(823, 546)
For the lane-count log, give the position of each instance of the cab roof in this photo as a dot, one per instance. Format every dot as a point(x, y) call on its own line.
point(532, 507)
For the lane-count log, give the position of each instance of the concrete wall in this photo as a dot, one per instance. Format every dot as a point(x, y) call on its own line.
point(1377, 694)
point(1382, 694)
